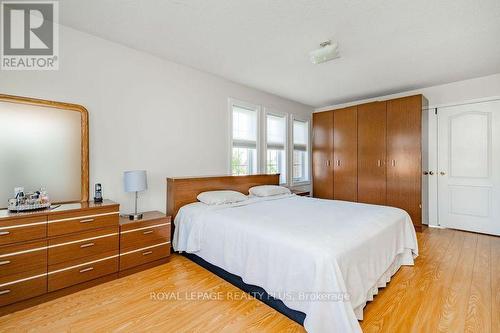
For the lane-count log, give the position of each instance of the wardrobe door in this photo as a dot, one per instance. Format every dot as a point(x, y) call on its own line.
point(404, 155)
point(372, 153)
point(322, 151)
point(345, 154)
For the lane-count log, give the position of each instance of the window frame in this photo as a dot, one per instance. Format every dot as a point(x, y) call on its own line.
point(258, 109)
point(286, 116)
point(293, 118)
point(261, 144)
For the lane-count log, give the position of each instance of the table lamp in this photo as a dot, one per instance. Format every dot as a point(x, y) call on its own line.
point(135, 181)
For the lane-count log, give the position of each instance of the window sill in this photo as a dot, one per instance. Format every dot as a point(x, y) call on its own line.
point(302, 183)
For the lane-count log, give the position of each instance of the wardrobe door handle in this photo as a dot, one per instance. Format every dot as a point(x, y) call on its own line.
point(4, 233)
point(379, 163)
point(5, 262)
point(393, 163)
point(147, 253)
point(87, 245)
point(3, 292)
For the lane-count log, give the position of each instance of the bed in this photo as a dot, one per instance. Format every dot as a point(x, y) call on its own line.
point(323, 258)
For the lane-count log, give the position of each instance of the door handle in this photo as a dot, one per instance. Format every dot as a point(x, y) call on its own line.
point(87, 245)
point(147, 232)
point(379, 163)
point(3, 292)
point(393, 163)
point(5, 262)
point(338, 163)
point(87, 221)
point(442, 173)
point(147, 253)
point(431, 173)
point(4, 233)
point(426, 173)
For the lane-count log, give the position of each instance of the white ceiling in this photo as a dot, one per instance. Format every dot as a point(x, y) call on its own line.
point(386, 46)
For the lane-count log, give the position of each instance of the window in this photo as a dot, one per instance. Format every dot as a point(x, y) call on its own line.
point(300, 160)
point(244, 158)
point(268, 142)
point(275, 145)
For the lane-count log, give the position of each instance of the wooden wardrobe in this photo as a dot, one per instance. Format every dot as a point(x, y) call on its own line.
point(371, 153)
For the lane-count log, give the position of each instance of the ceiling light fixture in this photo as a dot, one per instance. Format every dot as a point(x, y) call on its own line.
point(328, 50)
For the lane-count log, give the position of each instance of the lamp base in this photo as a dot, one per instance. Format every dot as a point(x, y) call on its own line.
point(135, 217)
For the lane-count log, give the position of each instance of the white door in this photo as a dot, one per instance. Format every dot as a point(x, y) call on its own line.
point(469, 167)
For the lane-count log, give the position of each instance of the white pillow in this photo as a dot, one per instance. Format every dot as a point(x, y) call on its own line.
point(268, 190)
point(221, 197)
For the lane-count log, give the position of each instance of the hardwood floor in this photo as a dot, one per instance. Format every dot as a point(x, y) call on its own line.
point(453, 287)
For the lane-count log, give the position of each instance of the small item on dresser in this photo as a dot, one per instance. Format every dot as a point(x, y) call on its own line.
point(98, 193)
point(135, 181)
point(28, 201)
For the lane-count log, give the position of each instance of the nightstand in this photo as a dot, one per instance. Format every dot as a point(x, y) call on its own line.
point(302, 193)
point(144, 243)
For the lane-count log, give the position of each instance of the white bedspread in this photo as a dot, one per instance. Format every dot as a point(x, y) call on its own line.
point(321, 257)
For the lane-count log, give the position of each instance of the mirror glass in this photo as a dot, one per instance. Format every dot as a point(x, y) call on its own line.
point(40, 147)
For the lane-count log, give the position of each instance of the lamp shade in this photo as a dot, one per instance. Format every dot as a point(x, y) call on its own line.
point(135, 181)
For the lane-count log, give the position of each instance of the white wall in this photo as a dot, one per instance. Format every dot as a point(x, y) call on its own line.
point(145, 112)
point(451, 93)
point(487, 87)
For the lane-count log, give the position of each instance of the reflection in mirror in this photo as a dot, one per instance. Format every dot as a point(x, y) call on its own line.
point(40, 147)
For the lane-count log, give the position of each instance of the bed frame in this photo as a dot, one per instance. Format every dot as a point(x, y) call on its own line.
point(183, 191)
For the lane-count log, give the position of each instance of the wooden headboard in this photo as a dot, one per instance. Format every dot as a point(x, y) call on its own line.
point(183, 191)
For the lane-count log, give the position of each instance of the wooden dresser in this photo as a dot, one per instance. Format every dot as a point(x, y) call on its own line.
point(46, 251)
point(50, 253)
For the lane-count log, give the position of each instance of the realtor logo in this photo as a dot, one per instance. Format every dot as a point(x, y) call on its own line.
point(29, 36)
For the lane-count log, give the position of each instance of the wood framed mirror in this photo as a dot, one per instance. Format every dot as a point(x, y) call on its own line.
point(43, 144)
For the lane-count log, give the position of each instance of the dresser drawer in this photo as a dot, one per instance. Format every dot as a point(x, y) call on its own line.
point(18, 291)
point(145, 255)
point(143, 237)
point(20, 230)
point(81, 245)
point(67, 224)
point(23, 258)
point(84, 272)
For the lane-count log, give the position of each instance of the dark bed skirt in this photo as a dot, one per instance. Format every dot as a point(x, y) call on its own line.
point(254, 291)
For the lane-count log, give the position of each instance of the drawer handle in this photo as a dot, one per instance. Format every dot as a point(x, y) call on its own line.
point(147, 253)
point(3, 292)
point(4, 233)
point(147, 232)
point(5, 262)
point(87, 221)
point(87, 245)
point(86, 269)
